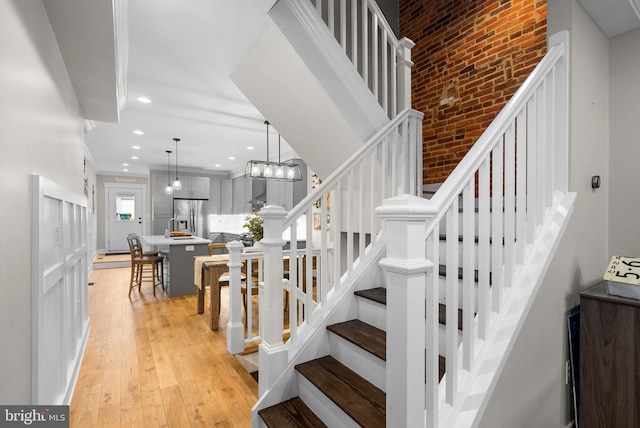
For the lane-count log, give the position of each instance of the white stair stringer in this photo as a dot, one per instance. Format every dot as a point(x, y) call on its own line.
point(324, 109)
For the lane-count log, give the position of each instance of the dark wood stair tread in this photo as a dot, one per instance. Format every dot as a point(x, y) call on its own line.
point(358, 398)
point(366, 336)
point(379, 294)
point(443, 237)
point(291, 413)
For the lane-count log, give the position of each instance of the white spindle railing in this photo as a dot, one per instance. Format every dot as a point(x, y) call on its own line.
point(330, 233)
point(383, 61)
point(502, 193)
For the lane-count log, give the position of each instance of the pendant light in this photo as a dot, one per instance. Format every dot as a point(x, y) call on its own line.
point(176, 183)
point(168, 190)
point(267, 170)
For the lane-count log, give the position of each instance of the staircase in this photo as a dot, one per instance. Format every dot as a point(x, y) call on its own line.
point(387, 290)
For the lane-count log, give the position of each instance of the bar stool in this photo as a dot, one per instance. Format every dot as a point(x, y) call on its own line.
point(144, 266)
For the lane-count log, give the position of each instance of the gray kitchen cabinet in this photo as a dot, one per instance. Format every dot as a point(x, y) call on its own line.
point(214, 196)
point(249, 194)
point(226, 196)
point(199, 188)
point(240, 205)
point(162, 203)
point(280, 193)
point(193, 188)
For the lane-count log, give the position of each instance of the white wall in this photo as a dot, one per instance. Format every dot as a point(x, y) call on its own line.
point(624, 196)
point(41, 132)
point(531, 391)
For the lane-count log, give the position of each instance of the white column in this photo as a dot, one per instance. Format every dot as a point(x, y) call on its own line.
point(235, 328)
point(272, 352)
point(405, 219)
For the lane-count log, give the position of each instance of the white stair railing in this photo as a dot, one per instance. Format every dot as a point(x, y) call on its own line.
point(510, 194)
point(330, 233)
point(383, 61)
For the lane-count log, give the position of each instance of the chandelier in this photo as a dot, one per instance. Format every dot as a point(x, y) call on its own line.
point(268, 170)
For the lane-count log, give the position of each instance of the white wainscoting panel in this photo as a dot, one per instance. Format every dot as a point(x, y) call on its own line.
point(60, 317)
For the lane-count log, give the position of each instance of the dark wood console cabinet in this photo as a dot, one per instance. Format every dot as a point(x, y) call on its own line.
point(609, 383)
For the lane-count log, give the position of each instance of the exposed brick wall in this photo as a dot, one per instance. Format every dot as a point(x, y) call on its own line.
point(470, 58)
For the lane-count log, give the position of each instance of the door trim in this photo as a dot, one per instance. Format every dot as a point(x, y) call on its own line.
point(110, 185)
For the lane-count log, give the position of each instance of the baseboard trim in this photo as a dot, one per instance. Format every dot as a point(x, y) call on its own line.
point(71, 386)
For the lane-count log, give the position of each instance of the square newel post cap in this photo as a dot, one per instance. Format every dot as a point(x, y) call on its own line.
point(272, 211)
point(234, 245)
point(407, 207)
point(273, 215)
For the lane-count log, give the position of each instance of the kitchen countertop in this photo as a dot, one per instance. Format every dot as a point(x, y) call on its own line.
point(160, 240)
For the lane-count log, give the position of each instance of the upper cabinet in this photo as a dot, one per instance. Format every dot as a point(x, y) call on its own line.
point(162, 203)
point(226, 196)
point(193, 188)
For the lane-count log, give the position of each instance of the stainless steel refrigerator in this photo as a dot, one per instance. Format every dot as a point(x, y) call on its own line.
point(191, 216)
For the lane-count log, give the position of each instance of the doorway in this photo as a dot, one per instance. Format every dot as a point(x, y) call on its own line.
point(125, 213)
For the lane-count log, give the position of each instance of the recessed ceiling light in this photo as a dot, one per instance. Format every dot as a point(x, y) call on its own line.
point(249, 147)
point(231, 158)
point(138, 132)
point(217, 165)
point(144, 100)
point(125, 170)
point(134, 157)
point(135, 147)
point(125, 164)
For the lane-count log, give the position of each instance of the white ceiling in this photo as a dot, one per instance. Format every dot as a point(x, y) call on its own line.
point(614, 17)
point(180, 55)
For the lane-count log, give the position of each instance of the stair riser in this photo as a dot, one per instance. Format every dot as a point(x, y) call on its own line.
point(360, 361)
point(371, 312)
point(375, 313)
point(321, 405)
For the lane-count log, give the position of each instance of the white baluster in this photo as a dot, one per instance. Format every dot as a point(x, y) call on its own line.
point(509, 204)
point(497, 242)
point(521, 186)
point(484, 248)
point(405, 267)
point(468, 273)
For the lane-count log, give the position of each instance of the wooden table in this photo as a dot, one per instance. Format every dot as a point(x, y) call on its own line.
point(212, 268)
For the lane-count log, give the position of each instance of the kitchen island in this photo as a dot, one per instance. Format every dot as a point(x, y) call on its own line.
point(178, 269)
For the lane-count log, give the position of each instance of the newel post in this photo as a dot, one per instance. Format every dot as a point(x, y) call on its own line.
point(272, 352)
point(405, 219)
point(235, 328)
point(404, 73)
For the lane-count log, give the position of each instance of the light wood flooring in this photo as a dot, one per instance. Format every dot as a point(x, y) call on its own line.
point(153, 362)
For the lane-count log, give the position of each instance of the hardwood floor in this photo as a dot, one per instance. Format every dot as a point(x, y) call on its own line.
point(153, 362)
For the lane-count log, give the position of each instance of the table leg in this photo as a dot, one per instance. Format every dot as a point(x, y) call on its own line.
point(200, 292)
point(214, 297)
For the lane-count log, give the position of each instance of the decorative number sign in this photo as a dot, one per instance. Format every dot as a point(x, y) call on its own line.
point(623, 269)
